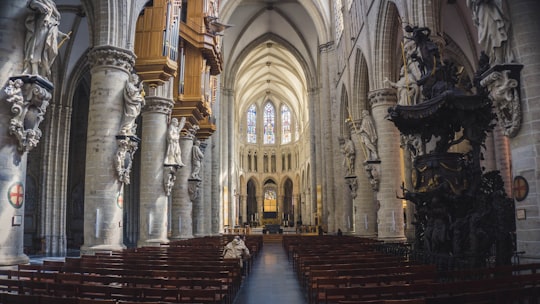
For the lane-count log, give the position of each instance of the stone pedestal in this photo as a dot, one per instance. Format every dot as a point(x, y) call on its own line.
point(153, 193)
point(390, 209)
point(182, 206)
point(103, 191)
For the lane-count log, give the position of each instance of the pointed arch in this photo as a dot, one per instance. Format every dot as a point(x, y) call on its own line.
point(269, 123)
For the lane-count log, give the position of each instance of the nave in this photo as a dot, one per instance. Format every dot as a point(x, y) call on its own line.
point(271, 279)
point(293, 269)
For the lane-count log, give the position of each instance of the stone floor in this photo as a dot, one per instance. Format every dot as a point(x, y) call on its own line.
point(271, 280)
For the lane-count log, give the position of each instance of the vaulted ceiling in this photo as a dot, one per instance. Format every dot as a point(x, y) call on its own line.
point(271, 50)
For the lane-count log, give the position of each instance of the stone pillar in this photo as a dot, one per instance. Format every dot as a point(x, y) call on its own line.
point(364, 199)
point(21, 113)
point(103, 191)
point(153, 211)
point(524, 147)
point(182, 206)
point(194, 188)
point(390, 209)
point(243, 209)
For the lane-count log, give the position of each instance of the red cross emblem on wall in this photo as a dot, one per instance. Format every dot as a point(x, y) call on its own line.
point(120, 200)
point(16, 195)
point(520, 188)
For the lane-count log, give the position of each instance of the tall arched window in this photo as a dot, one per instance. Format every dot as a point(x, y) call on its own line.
point(269, 124)
point(252, 125)
point(285, 124)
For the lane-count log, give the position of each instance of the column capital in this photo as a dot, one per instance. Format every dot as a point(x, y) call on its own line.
point(228, 91)
point(157, 104)
point(113, 57)
point(382, 97)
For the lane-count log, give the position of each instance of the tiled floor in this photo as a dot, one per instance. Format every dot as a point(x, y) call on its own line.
point(272, 279)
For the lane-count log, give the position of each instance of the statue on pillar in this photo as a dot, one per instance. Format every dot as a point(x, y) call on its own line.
point(368, 134)
point(41, 42)
point(493, 29)
point(408, 90)
point(173, 156)
point(196, 158)
point(133, 102)
point(347, 147)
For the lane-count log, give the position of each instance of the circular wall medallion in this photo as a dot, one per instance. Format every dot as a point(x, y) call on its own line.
point(16, 195)
point(521, 188)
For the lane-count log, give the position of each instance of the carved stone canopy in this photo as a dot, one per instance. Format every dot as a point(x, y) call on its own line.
point(29, 96)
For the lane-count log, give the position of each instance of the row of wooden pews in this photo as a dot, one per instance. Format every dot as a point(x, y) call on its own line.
point(350, 270)
point(187, 271)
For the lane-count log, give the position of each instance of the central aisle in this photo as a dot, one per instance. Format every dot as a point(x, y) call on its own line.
point(272, 279)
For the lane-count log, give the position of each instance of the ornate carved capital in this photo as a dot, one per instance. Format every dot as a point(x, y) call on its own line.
point(385, 96)
point(110, 56)
point(160, 105)
point(502, 82)
point(127, 145)
point(29, 97)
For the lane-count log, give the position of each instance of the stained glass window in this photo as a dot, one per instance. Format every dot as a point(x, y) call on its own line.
point(252, 125)
point(285, 125)
point(269, 124)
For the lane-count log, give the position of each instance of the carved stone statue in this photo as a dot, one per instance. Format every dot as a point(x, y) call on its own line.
point(408, 91)
point(348, 150)
point(493, 29)
point(174, 152)
point(368, 134)
point(196, 157)
point(133, 102)
point(504, 92)
point(41, 42)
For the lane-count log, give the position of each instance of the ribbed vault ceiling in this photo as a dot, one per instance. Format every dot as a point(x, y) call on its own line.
point(271, 51)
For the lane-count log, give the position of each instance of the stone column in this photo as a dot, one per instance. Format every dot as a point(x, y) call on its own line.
point(103, 191)
point(243, 209)
point(153, 211)
point(524, 147)
point(364, 209)
point(194, 187)
point(21, 113)
point(390, 209)
point(182, 206)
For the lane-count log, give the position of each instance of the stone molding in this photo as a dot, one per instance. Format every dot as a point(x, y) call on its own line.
point(382, 97)
point(159, 105)
point(113, 57)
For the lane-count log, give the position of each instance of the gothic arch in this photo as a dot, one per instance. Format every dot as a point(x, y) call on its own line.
point(360, 86)
point(389, 26)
